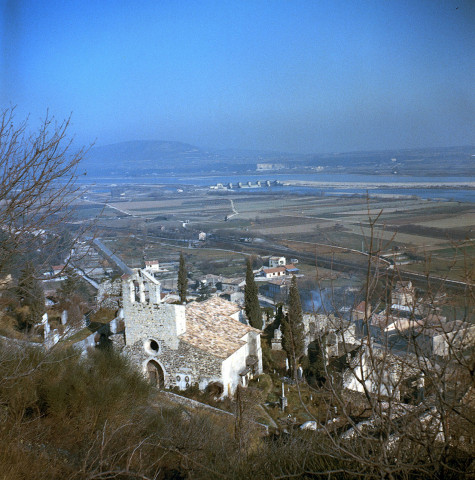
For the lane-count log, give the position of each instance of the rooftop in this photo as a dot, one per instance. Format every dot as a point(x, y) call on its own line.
point(361, 307)
point(291, 266)
point(274, 270)
point(210, 327)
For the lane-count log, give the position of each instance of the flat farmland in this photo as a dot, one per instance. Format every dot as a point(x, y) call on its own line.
point(185, 206)
point(452, 221)
point(324, 225)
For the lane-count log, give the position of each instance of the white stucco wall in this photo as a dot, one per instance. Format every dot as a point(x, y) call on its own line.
point(231, 367)
point(236, 363)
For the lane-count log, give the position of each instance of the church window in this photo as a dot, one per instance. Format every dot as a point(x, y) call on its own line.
point(152, 347)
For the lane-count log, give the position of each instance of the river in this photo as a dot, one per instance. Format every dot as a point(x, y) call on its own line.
point(461, 189)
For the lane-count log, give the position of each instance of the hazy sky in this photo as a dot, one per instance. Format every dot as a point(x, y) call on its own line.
point(293, 75)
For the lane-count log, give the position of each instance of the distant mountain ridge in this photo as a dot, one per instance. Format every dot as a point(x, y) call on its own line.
point(149, 157)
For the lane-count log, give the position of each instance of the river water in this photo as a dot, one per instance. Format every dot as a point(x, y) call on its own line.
point(435, 188)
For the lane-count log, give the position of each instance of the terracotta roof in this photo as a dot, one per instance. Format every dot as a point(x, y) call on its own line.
point(274, 270)
point(361, 307)
point(210, 327)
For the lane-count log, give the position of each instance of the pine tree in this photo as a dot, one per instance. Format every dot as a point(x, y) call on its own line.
point(293, 336)
point(30, 294)
point(251, 300)
point(182, 279)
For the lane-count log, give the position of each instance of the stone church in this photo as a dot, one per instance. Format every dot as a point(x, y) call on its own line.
point(202, 343)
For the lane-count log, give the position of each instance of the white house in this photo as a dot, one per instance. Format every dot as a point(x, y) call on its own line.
point(152, 265)
point(281, 271)
point(377, 371)
point(277, 262)
point(274, 272)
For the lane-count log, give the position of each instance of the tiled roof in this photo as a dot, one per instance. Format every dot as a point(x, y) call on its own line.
point(361, 307)
point(209, 327)
point(274, 270)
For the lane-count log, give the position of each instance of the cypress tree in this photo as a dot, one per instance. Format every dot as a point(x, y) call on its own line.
point(279, 316)
point(182, 279)
point(293, 336)
point(251, 300)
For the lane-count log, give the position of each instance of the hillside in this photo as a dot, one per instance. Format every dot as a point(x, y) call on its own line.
point(139, 158)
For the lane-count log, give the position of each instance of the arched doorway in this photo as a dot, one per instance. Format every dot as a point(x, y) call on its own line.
point(155, 374)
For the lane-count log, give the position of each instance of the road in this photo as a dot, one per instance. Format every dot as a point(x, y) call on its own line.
point(112, 256)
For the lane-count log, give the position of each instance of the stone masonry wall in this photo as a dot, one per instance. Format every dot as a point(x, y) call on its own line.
point(157, 321)
point(186, 359)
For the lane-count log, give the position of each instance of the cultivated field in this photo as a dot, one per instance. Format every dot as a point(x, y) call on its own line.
point(426, 234)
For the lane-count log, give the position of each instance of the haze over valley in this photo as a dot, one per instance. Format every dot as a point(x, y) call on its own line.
point(237, 240)
point(139, 158)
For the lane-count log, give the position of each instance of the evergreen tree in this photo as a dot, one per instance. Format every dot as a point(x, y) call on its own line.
point(182, 279)
point(279, 316)
point(293, 330)
point(70, 285)
point(315, 369)
point(204, 292)
point(251, 300)
point(275, 324)
point(30, 294)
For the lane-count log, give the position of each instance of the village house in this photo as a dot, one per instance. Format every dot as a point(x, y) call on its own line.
point(361, 312)
point(373, 369)
point(421, 327)
point(335, 333)
point(276, 289)
point(281, 271)
point(434, 335)
point(403, 294)
point(273, 272)
point(56, 271)
point(223, 284)
point(277, 262)
point(152, 265)
point(178, 346)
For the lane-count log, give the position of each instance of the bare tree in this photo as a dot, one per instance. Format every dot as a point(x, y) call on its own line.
point(401, 397)
point(38, 174)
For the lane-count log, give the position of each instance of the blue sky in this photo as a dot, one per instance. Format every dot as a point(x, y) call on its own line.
point(298, 76)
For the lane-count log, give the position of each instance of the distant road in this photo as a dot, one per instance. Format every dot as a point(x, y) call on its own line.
point(112, 256)
point(83, 275)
